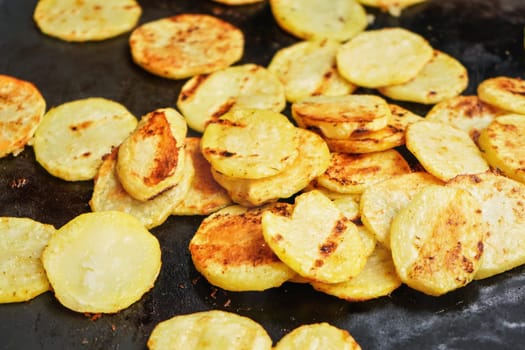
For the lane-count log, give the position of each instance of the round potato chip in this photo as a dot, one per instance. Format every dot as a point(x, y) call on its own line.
point(86, 20)
point(504, 92)
point(317, 336)
point(185, 45)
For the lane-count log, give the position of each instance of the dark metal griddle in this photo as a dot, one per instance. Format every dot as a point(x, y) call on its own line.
point(486, 35)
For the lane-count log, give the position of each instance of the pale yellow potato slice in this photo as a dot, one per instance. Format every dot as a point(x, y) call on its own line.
point(185, 45)
point(229, 250)
point(393, 7)
point(443, 150)
point(317, 336)
point(443, 77)
point(317, 241)
point(378, 278)
point(22, 276)
point(352, 173)
point(151, 159)
point(437, 240)
point(86, 20)
point(22, 107)
point(308, 68)
point(206, 97)
point(312, 161)
point(72, 137)
point(209, 330)
point(102, 262)
point(380, 203)
point(504, 92)
point(337, 117)
point(250, 143)
point(503, 145)
point(383, 57)
point(318, 19)
point(108, 194)
point(347, 203)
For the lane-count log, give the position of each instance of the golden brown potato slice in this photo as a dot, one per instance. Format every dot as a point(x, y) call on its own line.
point(393, 7)
point(21, 110)
point(383, 57)
point(22, 276)
point(352, 173)
point(87, 20)
point(317, 336)
point(185, 45)
point(209, 330)
point(443, 150)
point(208, 96)
point(101, 262)
point(504, 92)
point(437, 240)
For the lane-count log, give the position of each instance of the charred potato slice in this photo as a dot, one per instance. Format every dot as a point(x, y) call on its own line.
point(504, 92)
point(317, 336)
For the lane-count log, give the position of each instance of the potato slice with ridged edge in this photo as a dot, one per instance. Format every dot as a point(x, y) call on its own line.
point(503, 145)
point(504, 92)
point(393, 7)
point(437, 240)
point(207, 330)
point(101, 262)
point(72, 137)
point(208, 96)
point(22, 276)
point(317, 240)
point(443, 150)
point(317, 336)
point(250, 143)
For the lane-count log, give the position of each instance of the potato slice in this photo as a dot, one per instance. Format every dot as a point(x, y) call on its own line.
point(101, 262)
point(382, 202)
point(504, 92)
point(317, 240)
point(393, 7)
point(348, 204)
point(437, 240)
point(443, 150)
point(503, 145)
point(207, 330)
point(22, 276)
point(208, 96)
point(21, 110)
point(312, 161)
point(185, 45)
point(237, 2)
point(87, 20)
point(337, 117)
point(250, 144)
point(317, 19)
point(308, 68)
point(317, 336)
point(441, 78)
point(352, 173)
point(72, 137)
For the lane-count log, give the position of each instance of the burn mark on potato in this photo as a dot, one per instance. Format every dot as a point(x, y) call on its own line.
point(190, 92)
point(81, 126)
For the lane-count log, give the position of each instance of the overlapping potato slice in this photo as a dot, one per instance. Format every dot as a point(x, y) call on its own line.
point(382, 202)
point(503, 145)
point(72, 137)
point(250, 144)
point(441, 78)
point(108, 194)
point(437, 240)
point(504, 92)
point(383, 57)
point(208, 96)
point(101, 262)
point(317, 19)
point(87, 20)
point(308, 68)
point(209, 330)
point(22, 107)
point(22, 276)
point(229, 250)
point(352, 173)
point(312, 161)
point(317, 240)
point(443, 150)
point(347, 203)
point(317, 336)
point(393, 7)
point(185, 45)
point(501, 202)
point(151, 159)
point(337, 117)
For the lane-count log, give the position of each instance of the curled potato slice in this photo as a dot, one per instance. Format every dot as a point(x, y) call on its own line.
point(317, 336)
point(504, 92)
